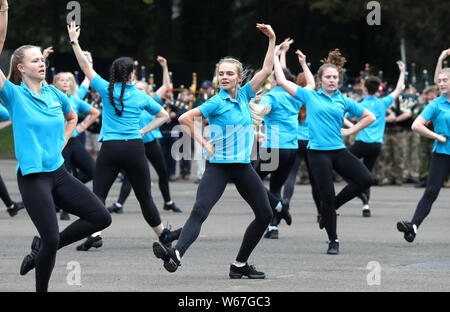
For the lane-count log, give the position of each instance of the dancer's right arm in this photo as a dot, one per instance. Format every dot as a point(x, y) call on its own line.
point(74, 34)
point(166, 77)
point(3, 28)
point(188, 120)
point(441, 58)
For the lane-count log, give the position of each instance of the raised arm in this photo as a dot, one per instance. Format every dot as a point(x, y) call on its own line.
point(166, 77)
point(259, 78)
point(3, 28)
point(287, 85)
point(74, 34)
point(284, 48)
point(310, 83)
point(401, 80)
point(441, 58)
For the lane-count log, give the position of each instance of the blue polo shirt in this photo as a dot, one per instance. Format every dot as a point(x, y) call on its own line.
point(146, 118)
point(439, 112)
point(125, 127)
point(303, 131)
point(325, 116)
point(79, 106)
point(4, 115)
point(38, 126)
point(231, 125)
point(82, 91)
point(375, 132)
point(281, 122)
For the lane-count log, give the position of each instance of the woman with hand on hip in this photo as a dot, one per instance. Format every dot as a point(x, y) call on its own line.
point(43, 121)
point(231, 126)
point(326, 151)
point(122, 146)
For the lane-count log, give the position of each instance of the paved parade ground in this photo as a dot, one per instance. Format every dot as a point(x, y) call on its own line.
point(373, 254)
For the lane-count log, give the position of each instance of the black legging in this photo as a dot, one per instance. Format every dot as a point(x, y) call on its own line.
point(369, 152)
point(350, 168)
point(128, 155)
point(40, 193)
point(211, 188)
point(4, 195)
point(76, 156)
point(289, 185)
point(155, 156)
point(439, 170)
point(281, 162)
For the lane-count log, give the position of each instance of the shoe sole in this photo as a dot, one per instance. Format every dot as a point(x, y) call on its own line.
point(401, 227)
point(161, 253)
point(23, 269)
point(333, 252)
point(96, 244)
point(366, 214)
point(234, 275)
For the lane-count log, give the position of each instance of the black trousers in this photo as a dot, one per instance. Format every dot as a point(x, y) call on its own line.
point(211, 188)
point(281, 162)
point(350, 168)
point(76, 156)
point(369, 152)
point(40, 193)
point(4, 195)
point(128, 155)
point(154, 154)
point(439, 170)
point(289, 185)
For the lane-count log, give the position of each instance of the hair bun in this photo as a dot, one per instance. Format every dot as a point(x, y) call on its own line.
point(337, 59)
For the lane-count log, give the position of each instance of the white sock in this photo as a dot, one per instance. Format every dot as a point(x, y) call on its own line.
point(272, 228)
point(365, 207)
point(169, 203)
point(96, 234)
point(118, 205)
point(239, 265)
point(415, 228)
point(279, 207)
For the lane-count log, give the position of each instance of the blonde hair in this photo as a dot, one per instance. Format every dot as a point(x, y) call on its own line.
point(15, 76)
point(242, 72)
point(73, 86)
point(445, 71)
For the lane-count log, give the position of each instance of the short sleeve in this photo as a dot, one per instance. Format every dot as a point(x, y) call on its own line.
point(209, 107)
point(83, 107)
point(100, 85)
point(247, 92)
point(157, 98)
point(7, 94)
point(267, 100)
point(429, 112)
point(387, 101)
point(82, 91)
point(152, 106)
point(4, 115)
point(302, 94)
point(353, 109)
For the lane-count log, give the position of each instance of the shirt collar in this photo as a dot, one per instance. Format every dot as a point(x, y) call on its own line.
point(336, 92)
point(224, 95)
point(43, 88)
point(443, 99)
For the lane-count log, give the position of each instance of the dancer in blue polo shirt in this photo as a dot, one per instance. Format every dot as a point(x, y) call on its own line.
point(121, 135)
point(153, 150)
point(11, 207)
point(232, 135)
point(326, 150)
point(438, 111)
point(369, 141)
point(43, 120)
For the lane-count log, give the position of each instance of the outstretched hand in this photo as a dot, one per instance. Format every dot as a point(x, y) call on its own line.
point(286, 44)
point(445, 53)
point(301, 56)
point(161, 60)
point(74, 31)
point(266, 30)
point(401, 66)
point(47, 52)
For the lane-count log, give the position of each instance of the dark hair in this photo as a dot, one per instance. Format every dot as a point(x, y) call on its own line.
point(301, 81)
point(372, 84)
point(119, 72)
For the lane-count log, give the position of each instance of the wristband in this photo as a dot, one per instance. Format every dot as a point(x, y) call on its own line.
point(74, 42)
